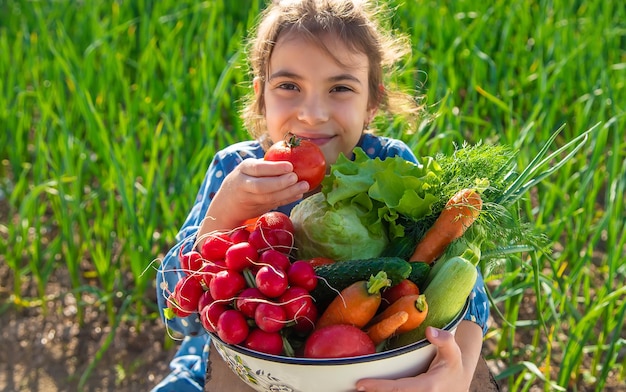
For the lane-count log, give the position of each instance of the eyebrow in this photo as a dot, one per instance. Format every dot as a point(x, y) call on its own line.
point(334, 79)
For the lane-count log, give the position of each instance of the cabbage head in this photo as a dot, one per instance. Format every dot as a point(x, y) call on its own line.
point(338, 231)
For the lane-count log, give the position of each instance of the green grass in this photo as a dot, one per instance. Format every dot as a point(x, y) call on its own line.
point(111, 111)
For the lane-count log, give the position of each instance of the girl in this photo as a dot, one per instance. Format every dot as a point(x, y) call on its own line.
point(318, 68)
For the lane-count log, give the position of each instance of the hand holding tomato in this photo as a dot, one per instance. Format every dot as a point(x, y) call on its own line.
point(254, 187)
point(306, 157)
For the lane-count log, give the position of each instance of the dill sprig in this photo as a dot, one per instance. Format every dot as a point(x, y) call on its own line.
point(499, 230)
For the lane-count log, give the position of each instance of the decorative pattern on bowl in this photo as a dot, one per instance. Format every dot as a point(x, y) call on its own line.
point(273, 373)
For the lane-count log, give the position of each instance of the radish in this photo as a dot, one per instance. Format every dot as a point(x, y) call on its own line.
point(240, 256)
point(248, 300)
point(271, 281)
point(296, 302)
point(191, 261)
point(275, 258)
point(205, 274)
point(187, 293)
point(210, 314)
point(172, 304)
point(278, 239)
point(269, 317)
point(215, 246)
point(302, 274)
point(274, 220)
point(304, 322)
point(265, 342)
point(263, 239)
point(226, 284)
point(205, 299)
point(239, 235)
point(232, 327)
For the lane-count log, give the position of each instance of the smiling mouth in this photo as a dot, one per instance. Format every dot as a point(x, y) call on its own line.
point(318, 140)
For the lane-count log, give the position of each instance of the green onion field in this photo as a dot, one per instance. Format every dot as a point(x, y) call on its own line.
point(111, 111)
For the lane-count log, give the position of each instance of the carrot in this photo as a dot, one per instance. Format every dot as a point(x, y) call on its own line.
point(386, 327)
point(414, 305)
point(393, 293)
point(250, 223)
point(458, 214)
point(356, 304)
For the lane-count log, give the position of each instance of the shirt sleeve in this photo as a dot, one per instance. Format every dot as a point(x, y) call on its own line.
point(478, 311)
point(168, 273)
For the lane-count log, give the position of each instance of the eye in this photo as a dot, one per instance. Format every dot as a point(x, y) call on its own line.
point(287, 86)
point(340, 89)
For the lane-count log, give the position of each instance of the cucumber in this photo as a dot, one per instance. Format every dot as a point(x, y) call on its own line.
point(446, 295)
point(419, 273)
point(332, 278)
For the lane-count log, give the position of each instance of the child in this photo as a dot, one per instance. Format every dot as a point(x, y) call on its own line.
point(318, 68)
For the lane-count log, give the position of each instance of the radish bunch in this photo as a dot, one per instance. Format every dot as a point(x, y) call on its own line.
point(245, 287)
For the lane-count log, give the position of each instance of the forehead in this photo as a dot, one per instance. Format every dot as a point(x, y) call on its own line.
point(305, 45)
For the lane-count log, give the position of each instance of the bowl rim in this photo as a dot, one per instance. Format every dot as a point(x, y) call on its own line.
point(340, 361)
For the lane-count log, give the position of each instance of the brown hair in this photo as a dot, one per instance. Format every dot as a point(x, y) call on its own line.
point(357, 24)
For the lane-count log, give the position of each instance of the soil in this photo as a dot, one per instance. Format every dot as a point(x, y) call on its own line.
point(47, 350)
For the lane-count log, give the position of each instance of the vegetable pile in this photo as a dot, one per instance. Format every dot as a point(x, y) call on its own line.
point(385, 249)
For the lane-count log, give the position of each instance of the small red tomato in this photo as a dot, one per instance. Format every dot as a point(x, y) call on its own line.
point(306, 157)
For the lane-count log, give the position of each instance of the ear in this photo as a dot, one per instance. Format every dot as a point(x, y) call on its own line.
point(371, 112)
point(256, 84)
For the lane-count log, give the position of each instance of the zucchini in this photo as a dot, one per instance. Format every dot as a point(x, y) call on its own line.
point(332, 278)
point(461, 247)
point(419, 273)
point(446, 295)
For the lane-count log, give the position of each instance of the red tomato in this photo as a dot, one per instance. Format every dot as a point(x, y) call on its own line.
point(306, 157)
point(338, 341)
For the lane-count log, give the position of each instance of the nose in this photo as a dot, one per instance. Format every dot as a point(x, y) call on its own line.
point(313, 109)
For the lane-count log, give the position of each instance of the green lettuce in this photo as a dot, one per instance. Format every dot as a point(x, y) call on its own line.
point(357, 212)
point(395, 186)
point(351, 231)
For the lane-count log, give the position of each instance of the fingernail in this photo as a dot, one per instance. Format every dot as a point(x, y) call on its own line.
point(360, 389)
point(434, 332)
point(293, 178)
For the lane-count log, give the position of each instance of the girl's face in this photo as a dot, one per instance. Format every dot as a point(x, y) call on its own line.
point(310, 95)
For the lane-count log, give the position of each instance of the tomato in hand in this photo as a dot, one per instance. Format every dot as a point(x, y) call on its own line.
point(306, 157)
